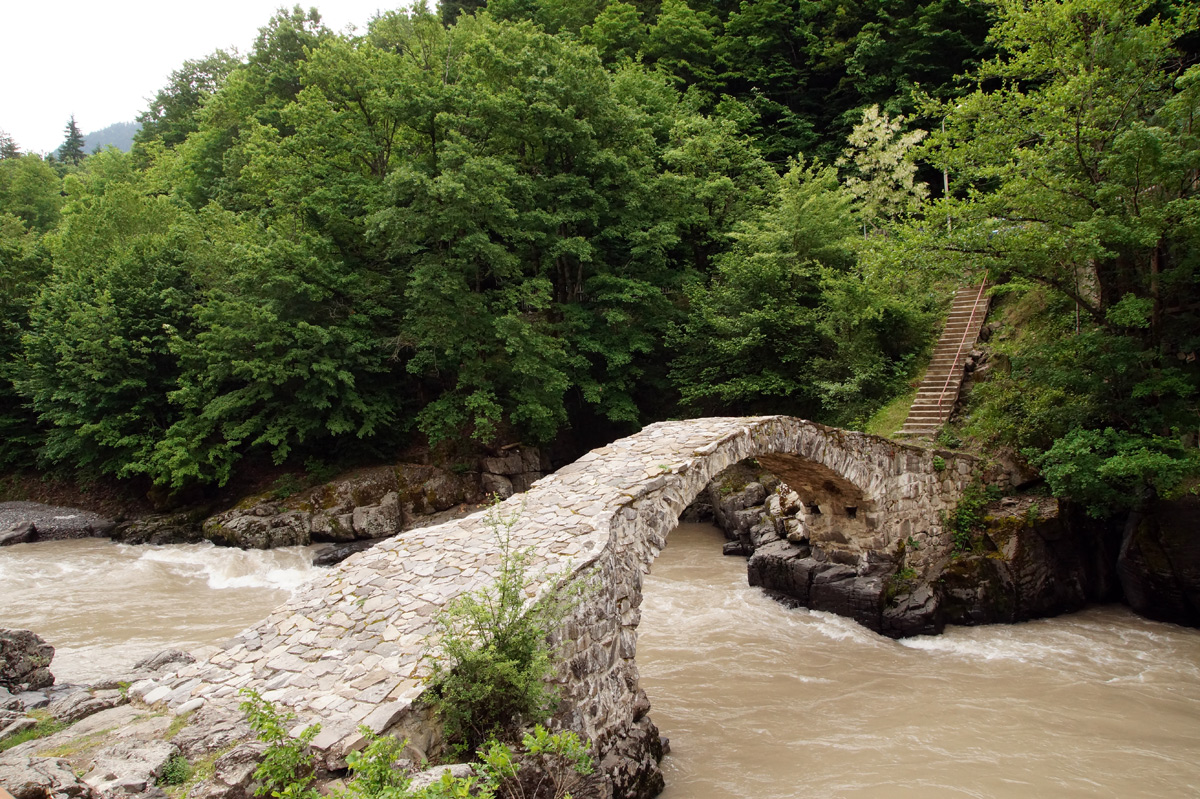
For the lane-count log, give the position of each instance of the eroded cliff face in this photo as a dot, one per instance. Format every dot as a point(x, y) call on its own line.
point(1031, 557)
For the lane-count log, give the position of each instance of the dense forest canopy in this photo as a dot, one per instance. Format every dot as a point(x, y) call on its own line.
point(527, 219)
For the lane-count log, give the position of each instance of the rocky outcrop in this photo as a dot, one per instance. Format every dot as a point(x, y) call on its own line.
point(42, 778)
point(81, 704)
point(1031, 559)
point(1035, 557)
point(25, 522)
point(185, 527)
point(371, 503)
point(1159, 563)
point(24, 661)
point(128, 768)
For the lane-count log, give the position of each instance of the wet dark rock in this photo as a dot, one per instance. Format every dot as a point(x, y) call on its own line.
point(632, 764)
point(24, 661)
point(336, 553)
point(1036, 558)
point(915, 613)
point(20, 533)
point(735, 548)
point(169, 528)
point(1159, 561)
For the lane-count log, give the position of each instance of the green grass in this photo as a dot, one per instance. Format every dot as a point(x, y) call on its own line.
point(890, 418)
point(46, 725)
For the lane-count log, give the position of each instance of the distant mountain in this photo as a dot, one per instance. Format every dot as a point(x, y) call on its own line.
point(119, 135)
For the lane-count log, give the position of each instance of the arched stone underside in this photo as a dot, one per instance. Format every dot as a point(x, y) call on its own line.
point(347, 650)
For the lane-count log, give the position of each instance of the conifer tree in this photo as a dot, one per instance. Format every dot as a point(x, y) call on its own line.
point(71, 151)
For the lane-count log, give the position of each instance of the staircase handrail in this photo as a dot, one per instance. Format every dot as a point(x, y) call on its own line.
point(966, 332)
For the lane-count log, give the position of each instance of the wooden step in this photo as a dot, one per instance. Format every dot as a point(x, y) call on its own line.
point(938, 392)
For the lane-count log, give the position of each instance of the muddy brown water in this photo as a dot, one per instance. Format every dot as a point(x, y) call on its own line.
point(758, 700)
point(104, 606)
point(766, 702)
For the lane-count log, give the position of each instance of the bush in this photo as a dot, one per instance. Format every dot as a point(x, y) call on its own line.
point(176, 771)
point(286, 769)
point(491, 659)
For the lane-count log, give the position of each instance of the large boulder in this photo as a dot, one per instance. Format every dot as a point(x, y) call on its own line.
point(24, 661)
point(22, 522)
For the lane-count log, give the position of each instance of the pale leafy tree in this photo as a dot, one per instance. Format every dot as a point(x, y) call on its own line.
point(8, 147)
point(880, 169)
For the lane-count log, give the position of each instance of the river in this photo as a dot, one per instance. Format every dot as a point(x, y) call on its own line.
point(104, 606)
point(766, 702)
point(758, 700)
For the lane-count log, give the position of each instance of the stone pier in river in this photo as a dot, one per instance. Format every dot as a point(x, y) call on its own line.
point(348, 649)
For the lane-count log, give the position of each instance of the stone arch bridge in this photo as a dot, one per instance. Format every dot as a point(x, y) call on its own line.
point(347, 650)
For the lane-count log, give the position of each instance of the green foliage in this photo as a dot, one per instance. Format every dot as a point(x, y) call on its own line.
point(947, 438)
point(286, 769)
point(174, 113)
point(794, 320)
point(490, 660)
point(900, 583)
point(1110, 470)
point(176, 771)
point(373, 769)
point(879, 160)
point(967, 518)
point(560, 760)
point(939, 463)
point(97, 365)
point(1074, 160)
point(31, 190)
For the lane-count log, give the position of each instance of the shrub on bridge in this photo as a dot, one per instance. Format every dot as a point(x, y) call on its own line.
point(491, 658)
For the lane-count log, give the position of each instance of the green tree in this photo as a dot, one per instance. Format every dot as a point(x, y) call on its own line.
point(31, 190)
point(282, 354)
point(71, 150)
point(23, 267)
point(752, 333)
point(618, 32)
point(173, 114)
point(1076, 158)
point(97, 367)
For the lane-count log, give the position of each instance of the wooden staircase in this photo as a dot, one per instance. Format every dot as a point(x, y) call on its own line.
point(939, 391)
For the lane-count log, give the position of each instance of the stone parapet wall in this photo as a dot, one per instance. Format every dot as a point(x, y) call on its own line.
point(348, 650)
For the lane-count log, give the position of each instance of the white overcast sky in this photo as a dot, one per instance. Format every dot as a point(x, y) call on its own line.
point(103, 61)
